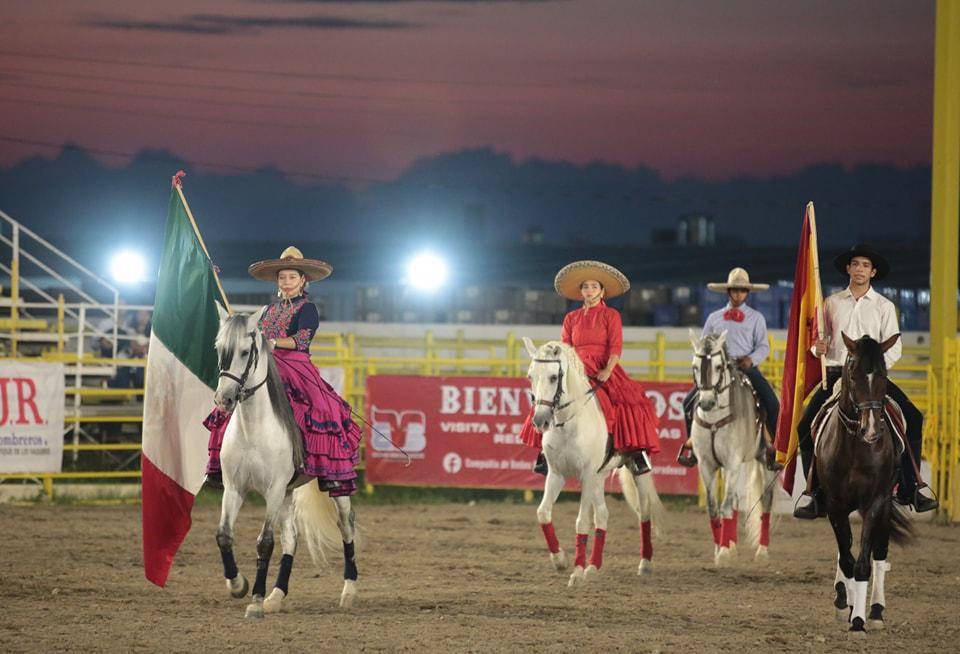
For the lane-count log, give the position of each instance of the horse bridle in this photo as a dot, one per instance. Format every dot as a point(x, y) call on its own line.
point(853, 422)
point(722, 383)
point(554, 404)
point(253, 358)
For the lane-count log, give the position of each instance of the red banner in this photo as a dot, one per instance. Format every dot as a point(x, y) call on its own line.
point(464, 431)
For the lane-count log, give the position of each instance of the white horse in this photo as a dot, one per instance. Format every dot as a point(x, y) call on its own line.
point(728, 434)
point(575, 445)
point(262, 451)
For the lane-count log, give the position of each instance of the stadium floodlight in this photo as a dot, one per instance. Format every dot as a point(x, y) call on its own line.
point(426, 271)
point(128, 267)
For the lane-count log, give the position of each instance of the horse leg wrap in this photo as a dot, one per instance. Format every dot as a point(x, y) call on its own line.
point(736, 522)
point(716, 526)
point(283, 577)
point(225, 543)
point(349, 562)
point(879, 574)
point(729, 532)
point(551, 537)
point(646, 543)
point(580, 560)
point(264, 552)
point(765, 529)
point(860, 600)
point(596, 555)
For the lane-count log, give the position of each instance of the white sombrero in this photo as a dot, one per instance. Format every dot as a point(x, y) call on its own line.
point(291, 259)
point(572, 275)
point(739, 279)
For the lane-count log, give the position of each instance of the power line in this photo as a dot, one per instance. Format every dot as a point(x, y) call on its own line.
point(206, 164)
point(193, 118)
point(300, 75)
point(323, 95)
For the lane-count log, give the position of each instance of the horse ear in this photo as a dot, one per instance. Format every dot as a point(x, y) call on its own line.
point(222, 313)
point(694, 341)
point(722, 339)
point(850, 343)
point(887, 344)
point(531, 348)
point(254, 321)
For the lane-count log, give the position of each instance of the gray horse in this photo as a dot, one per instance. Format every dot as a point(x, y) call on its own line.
point(727, 434)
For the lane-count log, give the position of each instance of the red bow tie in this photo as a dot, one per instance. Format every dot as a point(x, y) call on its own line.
point(736, 315)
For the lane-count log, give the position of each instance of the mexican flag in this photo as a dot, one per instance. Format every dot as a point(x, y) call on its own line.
point(801, 369)
point(181, 377)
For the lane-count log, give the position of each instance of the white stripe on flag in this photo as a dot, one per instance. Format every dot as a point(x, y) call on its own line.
point(174, 406)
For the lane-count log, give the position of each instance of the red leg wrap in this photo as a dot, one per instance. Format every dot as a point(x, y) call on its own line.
point(729, 532)
point(716, 526)
point(581, 552)
point(646, 543)
point(765, 530)
point(736, 522)
point(596, 555)
point(551, 537)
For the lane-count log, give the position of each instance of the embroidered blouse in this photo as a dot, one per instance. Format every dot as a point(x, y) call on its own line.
point(296, 318)
point(596, 333)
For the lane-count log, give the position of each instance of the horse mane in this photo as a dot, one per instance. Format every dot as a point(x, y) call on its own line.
point(229, 339)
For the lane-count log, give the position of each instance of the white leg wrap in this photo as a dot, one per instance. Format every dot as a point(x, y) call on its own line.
point(879, 573)
point(860, 601)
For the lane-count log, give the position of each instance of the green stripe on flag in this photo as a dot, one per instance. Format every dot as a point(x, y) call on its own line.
point(185, 311)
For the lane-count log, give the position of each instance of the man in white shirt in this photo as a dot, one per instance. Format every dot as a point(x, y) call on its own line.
point(859, 311)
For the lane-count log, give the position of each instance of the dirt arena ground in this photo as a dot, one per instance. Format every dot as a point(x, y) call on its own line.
point(457, 578)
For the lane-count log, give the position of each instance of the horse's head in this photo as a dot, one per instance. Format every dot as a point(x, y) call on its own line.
point(864, 385)
point(240, 349)
point(711, 372)
point(550, 372)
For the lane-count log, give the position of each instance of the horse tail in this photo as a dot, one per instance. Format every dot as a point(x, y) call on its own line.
point(643, 499)
point(753, 493)
point(317, 518)
point(901, 526)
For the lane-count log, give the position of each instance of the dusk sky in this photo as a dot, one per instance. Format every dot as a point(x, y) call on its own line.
point(362, 88)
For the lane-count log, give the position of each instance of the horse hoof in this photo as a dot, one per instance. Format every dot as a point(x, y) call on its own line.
point(762, 556)
point(722, 560)
point(591, 572)
point(876, 625)
point(559, 560)
point(576, 577)
point(875, 619)
point(254, 611)
point(856, 629)
point(274, 601)
point(238, 586)
point(733, 548)
point(349, 594)
point(645, 567)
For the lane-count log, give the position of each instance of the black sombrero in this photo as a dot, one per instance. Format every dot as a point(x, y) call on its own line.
point(879, 262)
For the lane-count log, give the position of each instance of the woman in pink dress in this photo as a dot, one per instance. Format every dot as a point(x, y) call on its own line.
point(596, 332)
point(331, 439)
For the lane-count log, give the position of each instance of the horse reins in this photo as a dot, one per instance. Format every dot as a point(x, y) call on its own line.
point(252, 360)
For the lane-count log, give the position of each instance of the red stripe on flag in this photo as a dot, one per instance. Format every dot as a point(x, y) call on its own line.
point(165, 516)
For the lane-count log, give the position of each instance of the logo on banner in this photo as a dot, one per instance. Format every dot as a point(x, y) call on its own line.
point(452, 463)
point(669, 409)
point(405, 428)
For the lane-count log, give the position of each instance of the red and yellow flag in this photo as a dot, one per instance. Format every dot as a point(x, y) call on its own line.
point(801, 369)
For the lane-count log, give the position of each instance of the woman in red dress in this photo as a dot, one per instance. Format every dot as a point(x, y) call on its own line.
point(596, 332)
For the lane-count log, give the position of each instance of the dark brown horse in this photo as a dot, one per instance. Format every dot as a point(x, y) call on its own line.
point(856, 460)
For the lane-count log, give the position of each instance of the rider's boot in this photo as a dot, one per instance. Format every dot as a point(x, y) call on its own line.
point(811, 506)
point(907, 496)
point(638, 462)
point(686, 457)
point(540, 467)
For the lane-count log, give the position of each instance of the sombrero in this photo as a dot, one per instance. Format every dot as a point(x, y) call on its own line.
point(291, 259)
point(863, 250)
point(738, 279)
point(572, 275)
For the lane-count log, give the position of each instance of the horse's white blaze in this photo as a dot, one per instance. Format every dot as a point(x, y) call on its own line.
point(577, 448)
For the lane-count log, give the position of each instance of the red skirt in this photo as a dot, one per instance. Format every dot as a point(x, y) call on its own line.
point(631, 417)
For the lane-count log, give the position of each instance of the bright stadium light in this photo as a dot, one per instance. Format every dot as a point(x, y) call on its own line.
point(128, 267)
point(426, 271)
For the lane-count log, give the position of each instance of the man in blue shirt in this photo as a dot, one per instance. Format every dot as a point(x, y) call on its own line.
point(747, 345)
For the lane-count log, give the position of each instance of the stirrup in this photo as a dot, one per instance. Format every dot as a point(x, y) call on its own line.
point(686, 457)
point(540, 466)
point(638, 464)
point(809, 511)
point(920, 503)
point(213, 480)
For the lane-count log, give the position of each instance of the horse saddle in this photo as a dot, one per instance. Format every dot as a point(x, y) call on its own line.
point(891, 411)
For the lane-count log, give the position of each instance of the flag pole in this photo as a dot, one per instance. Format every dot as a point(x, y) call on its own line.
point(816, 273)
point(178, 185)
